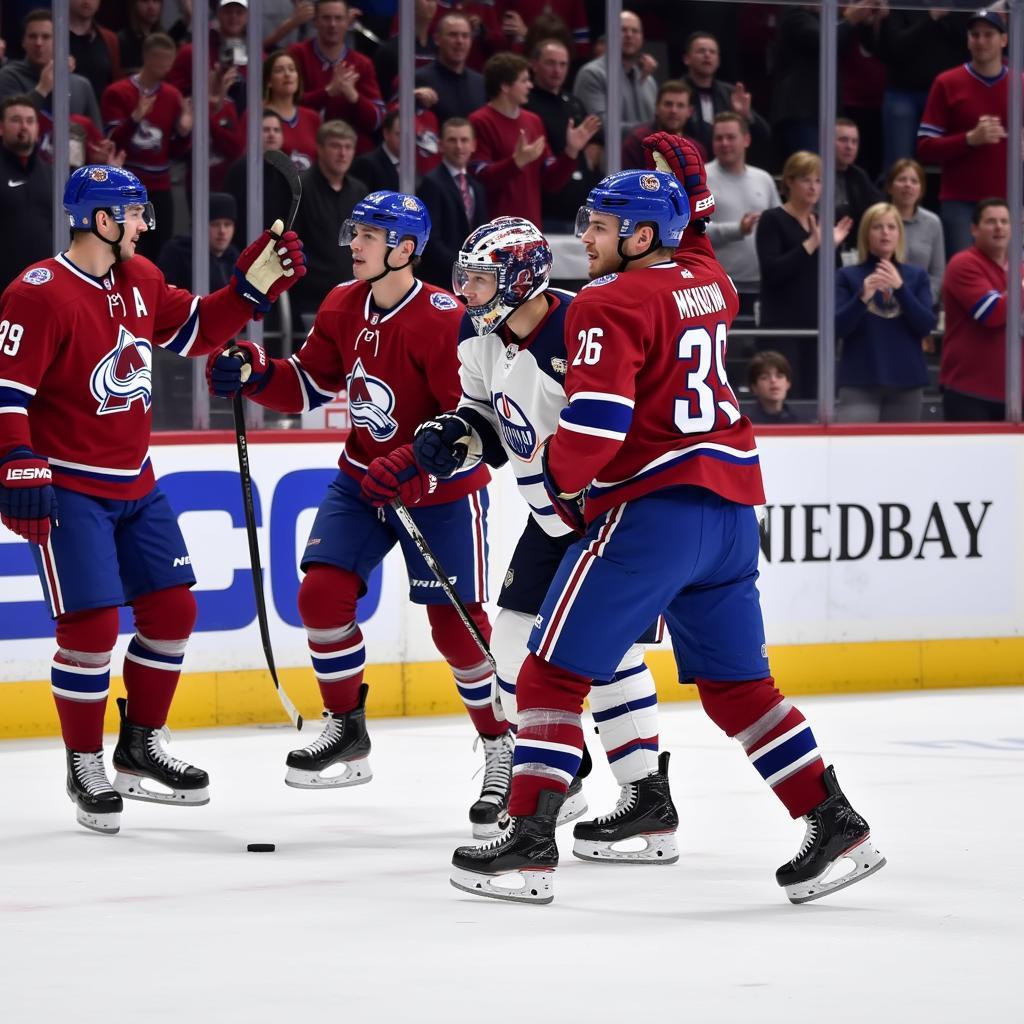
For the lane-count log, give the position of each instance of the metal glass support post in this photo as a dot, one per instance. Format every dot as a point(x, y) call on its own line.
point(1015, 199)
point(827, 67)
point(613, 107)
point(200, 192)
point(406, 104)
point(60, 104)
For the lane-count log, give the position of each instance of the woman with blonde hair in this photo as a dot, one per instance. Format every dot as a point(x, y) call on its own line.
point(905, 186)
point(787, 241)
point(883, 310)
point(282, 93)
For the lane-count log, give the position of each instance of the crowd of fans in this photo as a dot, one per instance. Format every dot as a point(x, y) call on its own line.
point(510, 118)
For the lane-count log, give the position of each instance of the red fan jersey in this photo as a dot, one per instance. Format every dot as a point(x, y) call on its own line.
point(400, 367)
point(650, 405)
point(76, 353)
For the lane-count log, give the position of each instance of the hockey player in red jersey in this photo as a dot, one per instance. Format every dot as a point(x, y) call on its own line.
point(391, 342)
point(652, 443)
point(78, 332)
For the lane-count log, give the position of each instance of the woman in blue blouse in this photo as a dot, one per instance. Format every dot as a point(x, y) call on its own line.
point(883, 311)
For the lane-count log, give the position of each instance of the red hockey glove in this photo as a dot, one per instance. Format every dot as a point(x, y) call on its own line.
point(568, 507)
point(676, 155)
point(242, 366)
point(27, 498)
point(396, 476)
point(269, 266)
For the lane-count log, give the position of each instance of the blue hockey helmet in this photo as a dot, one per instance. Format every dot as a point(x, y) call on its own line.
point(517, 254)
point(99, 187)
point(400, 215)
point(640, 197)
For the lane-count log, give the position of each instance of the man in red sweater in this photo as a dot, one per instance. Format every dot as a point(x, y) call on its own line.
point(337, 80)
point(973, 368)
point(963, 128)
point(513, 160)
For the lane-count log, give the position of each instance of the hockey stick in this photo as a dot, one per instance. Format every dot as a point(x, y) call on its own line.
point(284, 166)
point(449, 591)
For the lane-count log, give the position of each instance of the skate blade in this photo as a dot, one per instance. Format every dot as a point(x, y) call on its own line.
point(574, 807)
point(134, 787)
point(537, 885)
point(866, 859)
point(657, 848)
point(356, 773)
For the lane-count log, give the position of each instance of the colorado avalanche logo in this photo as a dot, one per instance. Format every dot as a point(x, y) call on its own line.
point(40, 275)
point(147, 136)
point(370, 404)
point(123, 375)
point(443, 302)
point(516, 430)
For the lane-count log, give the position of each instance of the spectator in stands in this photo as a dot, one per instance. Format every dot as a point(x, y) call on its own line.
point(963, 128)
point(672, 112)
point(712, 96)
point(787, 241)
point(639, 88)
point(282, 93)
point(286, 22)
point(972, 372)
point(144, 18)
point(742, 193)
point(227, 130)
point(95, 48)
point(181, 29)
point(513, 159)
point(176, 256)
point(549, 64)
point(329, 193)
point(26, 190)
point(770, 377)
point(385, 60)
point(915, 47)
point(276, 194)
point(227, 48)
point(339, 82)
point(883, 311)
point(922, 230)
point(460, 89)
point(379, 168)
point(854, 190)
point(572, 14)
point(149, 119)
point(33, 76)
point(456, 202)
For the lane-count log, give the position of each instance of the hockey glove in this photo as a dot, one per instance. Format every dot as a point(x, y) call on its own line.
point(243, 366)
point(677, 155)
point(269, 266)
point(441, 445)
point(396, 476)
point(27, 498)
point(568, 507)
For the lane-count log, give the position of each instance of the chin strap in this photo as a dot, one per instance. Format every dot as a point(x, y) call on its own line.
point(116, 244)
point(388, 268)
point(626, 260)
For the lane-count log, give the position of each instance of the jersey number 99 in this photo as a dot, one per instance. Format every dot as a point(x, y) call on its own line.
point(707, 386)
point(10, 337)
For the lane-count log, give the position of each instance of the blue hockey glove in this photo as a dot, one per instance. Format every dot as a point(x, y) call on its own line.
point(27, 498)
point(396, 475)
point(243, 366)
point(568, 507)
point(441, 445)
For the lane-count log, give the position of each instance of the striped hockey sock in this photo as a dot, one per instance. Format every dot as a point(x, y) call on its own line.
point(151, 672)
point(549, 749)
point(474, 685)
point(625, 709)
point(339, 658)
point(80, 681)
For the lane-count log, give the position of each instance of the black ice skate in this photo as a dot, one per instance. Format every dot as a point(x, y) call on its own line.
point(575, 805)
point(344, 741)
point(518, 867)
point(141, 762)
point(835, 831)
point(641, 829)
point(98, 805)
point(489, 815)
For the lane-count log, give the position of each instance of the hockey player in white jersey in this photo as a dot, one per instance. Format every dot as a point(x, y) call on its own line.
point(512, 357)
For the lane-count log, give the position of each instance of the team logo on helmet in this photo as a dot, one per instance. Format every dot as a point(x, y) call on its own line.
point(124, 375)
point(99, 174)
point(40, 275)
point(370, 403)
point(441, 301)
point(517, 431)
point(409, 203)
point(649, 183)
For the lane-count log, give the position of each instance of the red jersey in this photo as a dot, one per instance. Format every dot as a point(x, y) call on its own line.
point(515, 191)
point(150, 143)
point(300, 137)
point(650, 405)
point(974, 346)
point(365, 115)
point(400, 367)
point(957, 99)
point(77, 377)
point(227, 143)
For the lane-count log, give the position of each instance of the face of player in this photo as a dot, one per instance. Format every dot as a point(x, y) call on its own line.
point(38, 43)
point(222, 231)
point(134, 227)
point(158, 63)
point(702, 57)
point(454, 41)
point(335, 156)
point(519, 91)
point(273, 134)
point(985, 43)
point(992, 233)
point(847, 144)
point(632, 34)
point(457, 145)
point(805, 190)
point(331, 23)
point(883, 235)
point(370, 248)
point(551, 67)
point(231, 20)
point(20, 130)
point(906, 189)
point(477, 287)
point(284, 78)
point(772, 385)
point(673, 111)
point(730, 143)
point(601, 241)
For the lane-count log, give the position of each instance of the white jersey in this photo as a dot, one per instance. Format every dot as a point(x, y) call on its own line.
point(512, 395)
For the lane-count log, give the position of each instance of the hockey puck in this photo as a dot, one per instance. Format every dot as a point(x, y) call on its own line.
point(261, 848)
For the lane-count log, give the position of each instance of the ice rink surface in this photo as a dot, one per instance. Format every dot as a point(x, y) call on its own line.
point(353, 919)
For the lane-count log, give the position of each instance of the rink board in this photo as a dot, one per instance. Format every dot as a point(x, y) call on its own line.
point(890, 561)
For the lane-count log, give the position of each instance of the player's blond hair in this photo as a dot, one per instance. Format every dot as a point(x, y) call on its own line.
point(872, 214)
